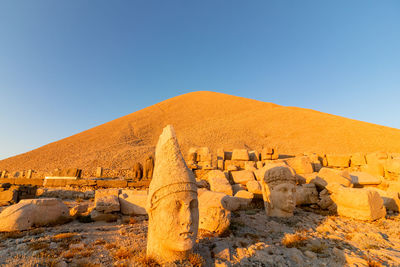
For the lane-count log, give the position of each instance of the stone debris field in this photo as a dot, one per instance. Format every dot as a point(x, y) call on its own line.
point(207, 208)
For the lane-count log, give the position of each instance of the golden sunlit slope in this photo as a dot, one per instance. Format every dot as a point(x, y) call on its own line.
point(209, 119)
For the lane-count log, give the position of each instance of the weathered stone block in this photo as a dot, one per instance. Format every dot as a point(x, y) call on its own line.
point(342, 161)
point(242, 177)
point(357, 159)
point(107, 204)
point(112, 183)
point(306, 194)
point(391, 200)
point(244, 198)
point(375, 169)
point(33, 212)
point(359, 204)
point(328, 176)
point(219, 182)
point(300, 164)
point(133, 202)
point(254, 155)
point(240, 154)
point(255, 188)
point(213, 213)
point(8, 197)
point(363, 178)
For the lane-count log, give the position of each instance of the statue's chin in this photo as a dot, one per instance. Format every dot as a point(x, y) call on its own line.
point(182, 245)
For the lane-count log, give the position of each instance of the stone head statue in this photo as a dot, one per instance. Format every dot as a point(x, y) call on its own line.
point(279, 188)
point(172, 203)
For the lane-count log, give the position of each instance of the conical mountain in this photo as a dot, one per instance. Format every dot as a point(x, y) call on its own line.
point(209, 119)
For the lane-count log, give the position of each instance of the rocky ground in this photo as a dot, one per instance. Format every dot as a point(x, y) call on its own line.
point(307, 239)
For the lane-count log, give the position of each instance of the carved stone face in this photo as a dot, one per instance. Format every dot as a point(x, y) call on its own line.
point(176, 220)
point(282, 198)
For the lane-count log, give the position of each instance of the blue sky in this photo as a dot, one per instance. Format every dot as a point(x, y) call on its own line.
point(67, 66)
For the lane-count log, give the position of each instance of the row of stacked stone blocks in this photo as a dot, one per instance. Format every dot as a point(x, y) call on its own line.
point(202, 158)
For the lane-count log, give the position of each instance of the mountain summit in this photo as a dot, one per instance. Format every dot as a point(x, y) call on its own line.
point(208, 119)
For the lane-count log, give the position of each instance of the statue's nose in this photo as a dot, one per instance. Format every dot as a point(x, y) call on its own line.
point(186, 216)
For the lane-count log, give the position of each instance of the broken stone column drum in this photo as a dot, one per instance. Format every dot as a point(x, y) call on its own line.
point(279, 192)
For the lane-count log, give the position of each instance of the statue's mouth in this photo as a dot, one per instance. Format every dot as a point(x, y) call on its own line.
point(186, 234)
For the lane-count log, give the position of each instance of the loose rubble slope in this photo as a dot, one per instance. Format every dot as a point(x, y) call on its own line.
point(209, 119)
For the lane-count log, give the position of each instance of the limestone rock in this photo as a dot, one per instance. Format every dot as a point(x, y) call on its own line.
point(242, 177)
point(33, 212)
point(327, 176)
point(342, 161)
point(363, 178)
point(377, 157)
point(240, 154)
point(133, 202)
point(300, 164)
point(306, 194)
point(219, 183)
point(213, 215)
point(360, 204)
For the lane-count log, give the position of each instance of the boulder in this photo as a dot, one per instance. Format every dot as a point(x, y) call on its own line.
point(342, 161)
point(325, 201)
point(240, 154)
point(300, 164)
point(242, 177)
point(133, 202)
point(363, 178)
point(360, 204)
point(357, 159)
point(219, 183)
point(33, 212)
point(213, 215)
point(328, 176)
point(306, 194)
point(107, 204)
point(244, 198)
point(391, 200)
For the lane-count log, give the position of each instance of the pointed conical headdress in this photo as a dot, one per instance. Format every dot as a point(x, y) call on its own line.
point(171, 175)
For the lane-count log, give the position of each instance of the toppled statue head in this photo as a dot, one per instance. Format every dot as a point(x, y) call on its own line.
point(279, 188)
point(172, 203)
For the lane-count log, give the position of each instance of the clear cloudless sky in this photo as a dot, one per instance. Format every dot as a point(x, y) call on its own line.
point(67, 66)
